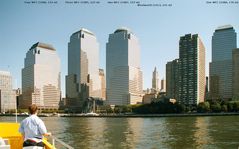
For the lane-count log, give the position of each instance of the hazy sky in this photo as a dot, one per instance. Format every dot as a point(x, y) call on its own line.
point(157, 28)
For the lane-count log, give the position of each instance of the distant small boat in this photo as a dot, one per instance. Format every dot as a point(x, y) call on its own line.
point(91, 114)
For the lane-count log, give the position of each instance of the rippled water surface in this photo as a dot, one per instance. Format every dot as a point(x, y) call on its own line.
point(145, 133)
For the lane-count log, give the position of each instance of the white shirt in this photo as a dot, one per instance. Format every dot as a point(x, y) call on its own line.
point(33, 128)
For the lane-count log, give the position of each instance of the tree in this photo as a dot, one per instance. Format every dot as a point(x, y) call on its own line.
point(236, 106)
point(181, 108)
point(235, 98)
point(203, 107)
point(230, 106)
point(224, 108)
point(216, 107)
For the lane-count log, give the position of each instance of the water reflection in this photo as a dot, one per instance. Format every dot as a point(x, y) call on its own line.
point(142, 133)
point(201, 135)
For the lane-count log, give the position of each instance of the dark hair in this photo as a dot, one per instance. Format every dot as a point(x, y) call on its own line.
point(32, 108)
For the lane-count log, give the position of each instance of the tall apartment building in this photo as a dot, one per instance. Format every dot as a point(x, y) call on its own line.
point(83, 80)
point(7, 95)
point(224, 40)
point(41, 77)
point(155, 80)
point(123, 74)
point(191, 70)
point(172, 79)
point(235, 73)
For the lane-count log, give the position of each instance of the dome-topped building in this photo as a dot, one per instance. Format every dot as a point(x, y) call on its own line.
point(123, 74)
point(123, 29)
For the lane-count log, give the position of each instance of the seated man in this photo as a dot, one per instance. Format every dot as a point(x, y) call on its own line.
point(33, 129)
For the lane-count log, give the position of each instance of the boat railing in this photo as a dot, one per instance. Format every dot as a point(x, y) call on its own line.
point(55, 141)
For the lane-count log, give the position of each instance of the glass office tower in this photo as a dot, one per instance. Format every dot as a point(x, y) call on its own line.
point(224, 40)
point(123, 74)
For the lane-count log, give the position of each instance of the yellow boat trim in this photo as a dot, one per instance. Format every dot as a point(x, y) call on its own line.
point(10, 131)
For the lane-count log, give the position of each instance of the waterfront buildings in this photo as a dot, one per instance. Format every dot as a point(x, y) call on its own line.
point(83, 79)
point(224, 40)
point(235, 73)
point(172, 79)
point(155, 80)
point(123, 74)
point(7, 95)
point(41, 77)
point(191, 72)
point(103, 83)
point(163, 85)
point(148, 98)
point(185, 77)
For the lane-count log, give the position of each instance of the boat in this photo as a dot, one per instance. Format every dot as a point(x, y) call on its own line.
point(91, 114)
point(10, 138)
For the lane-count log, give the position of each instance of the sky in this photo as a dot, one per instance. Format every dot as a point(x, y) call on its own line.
point(157, 28)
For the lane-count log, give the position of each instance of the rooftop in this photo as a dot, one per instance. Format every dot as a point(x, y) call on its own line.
point(43, 45)
point(123, 29)
point(6, 73)
point(85, 31)
point(224, 27)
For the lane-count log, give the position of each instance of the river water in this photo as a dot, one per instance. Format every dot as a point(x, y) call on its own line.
point(207, 132)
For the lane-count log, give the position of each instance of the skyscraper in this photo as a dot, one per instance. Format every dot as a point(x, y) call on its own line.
point(224, 39)
point(41, 77)
point(191, 70)
point(163, 85)
point(103, 83)
point(83, 79)
point(172, 79)
point(123, 74)
point(235, 73)
point(7, 95)
point(155, 80)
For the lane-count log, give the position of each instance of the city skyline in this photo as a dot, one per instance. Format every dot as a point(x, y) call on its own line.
point(158, 37)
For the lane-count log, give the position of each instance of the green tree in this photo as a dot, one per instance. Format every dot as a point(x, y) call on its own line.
point(230, 106)
point(236, 106)
point(224, 108)
point(216, 107)
point(203, 107)
point(181, 108)
point(235, 98)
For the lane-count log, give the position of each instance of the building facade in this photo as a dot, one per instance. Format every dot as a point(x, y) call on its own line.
point(7, 95)
point(103, 83)
point(191, 70)
point(163, 85)
point(172, 79)
point(155, 80)
point(235, 73)
point(123, 74)
point(224, 40)
point(83, 80)
point(41, 77)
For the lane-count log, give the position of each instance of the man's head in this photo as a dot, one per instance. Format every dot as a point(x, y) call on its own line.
point(33, 109)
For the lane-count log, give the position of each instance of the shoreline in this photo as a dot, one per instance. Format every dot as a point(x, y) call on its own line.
point(131, 115)
point(156, 115)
